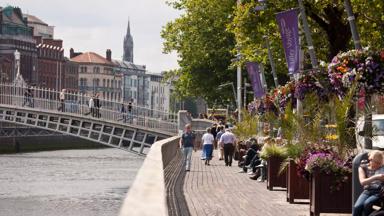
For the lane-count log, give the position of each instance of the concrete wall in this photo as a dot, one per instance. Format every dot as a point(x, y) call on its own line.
point(44, 143)
point(147, 196)
point(197, 124)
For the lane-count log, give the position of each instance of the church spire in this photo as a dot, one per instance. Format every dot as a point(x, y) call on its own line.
point(128, 45)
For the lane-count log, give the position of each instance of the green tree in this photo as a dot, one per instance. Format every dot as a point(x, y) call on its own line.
point(204, 47)
point(206, 34)
point(328, 23)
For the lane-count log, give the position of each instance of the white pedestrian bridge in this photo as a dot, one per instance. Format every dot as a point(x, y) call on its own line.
point(132, 129)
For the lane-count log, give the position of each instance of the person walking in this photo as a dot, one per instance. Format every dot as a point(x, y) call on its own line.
point(26, 97)
point(123, 113)
point(97, 105)
point(207, 141)
point(62, 100)
point(129, 109)
point(220, 132)
point(91, 105)
point(187, 143)
point(228, 140)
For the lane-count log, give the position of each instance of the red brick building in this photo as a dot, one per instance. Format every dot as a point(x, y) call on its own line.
point(71, 75)
point(50, 66)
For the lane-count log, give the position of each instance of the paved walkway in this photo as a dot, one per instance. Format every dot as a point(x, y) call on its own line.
point(221, 190)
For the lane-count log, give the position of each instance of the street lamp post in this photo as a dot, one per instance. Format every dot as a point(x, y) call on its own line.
point(239, 93)
point(238, 56)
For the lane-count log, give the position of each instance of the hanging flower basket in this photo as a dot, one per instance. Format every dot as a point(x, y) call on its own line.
point(313, 82)
point(366, 67)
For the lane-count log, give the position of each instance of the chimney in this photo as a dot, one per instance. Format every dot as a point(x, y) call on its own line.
point(71, 53)
point(109, 55)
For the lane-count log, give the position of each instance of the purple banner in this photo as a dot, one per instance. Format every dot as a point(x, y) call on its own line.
point(289, 30)
point(253, 69)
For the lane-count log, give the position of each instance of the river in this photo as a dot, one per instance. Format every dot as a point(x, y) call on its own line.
point(66, 182)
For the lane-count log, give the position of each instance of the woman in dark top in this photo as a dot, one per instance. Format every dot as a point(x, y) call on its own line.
point(371, 178)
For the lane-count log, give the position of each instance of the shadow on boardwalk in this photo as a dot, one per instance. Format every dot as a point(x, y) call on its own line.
point(174, 182)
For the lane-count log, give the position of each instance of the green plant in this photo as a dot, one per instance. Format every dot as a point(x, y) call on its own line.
point(273, 150)
point(344, 131)
point(247, 127)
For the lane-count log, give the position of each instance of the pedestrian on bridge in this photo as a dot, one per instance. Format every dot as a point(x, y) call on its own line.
point(62, 100)
point(129, 109)
point(123, 113)
point(91, 106)
point(97, 105)
point(187, 143)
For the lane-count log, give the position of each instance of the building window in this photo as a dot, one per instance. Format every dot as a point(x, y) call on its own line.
point(96, 70)
point(83, 69)
point(103, 82)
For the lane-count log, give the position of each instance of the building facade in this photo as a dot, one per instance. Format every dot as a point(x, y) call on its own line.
point(15, 34)
point(97, 75)
point(40, 28)
point(135, 82)
point(159, 92)
point(50, 66)
point(71, 75)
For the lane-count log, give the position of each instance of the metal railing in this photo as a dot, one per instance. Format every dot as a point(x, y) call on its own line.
point(77, 104)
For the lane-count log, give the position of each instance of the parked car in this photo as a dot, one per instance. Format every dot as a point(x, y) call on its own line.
point(377, 131)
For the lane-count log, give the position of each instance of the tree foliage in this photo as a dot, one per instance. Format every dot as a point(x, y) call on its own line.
point(204, 47)
point(210, 32)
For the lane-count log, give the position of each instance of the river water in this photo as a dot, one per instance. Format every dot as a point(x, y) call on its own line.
point(66, 183)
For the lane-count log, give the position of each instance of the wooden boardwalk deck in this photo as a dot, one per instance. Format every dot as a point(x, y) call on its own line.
point(222, 191)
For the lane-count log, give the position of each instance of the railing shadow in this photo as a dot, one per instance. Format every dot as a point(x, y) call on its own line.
point(174, 175)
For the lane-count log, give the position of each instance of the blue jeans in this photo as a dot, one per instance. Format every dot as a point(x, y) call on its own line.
point(365, 202)
point(187, 152)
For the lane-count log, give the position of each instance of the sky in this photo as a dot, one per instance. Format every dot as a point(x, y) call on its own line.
point(98, 25)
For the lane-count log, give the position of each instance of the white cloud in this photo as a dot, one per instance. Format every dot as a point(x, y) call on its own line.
point(97, 25)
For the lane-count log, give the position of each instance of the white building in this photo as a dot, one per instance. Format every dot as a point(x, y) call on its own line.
point(97, 75)
point(135, 84)
point(159, 93)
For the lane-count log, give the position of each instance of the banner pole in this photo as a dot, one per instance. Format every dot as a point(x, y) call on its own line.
point(308, 37)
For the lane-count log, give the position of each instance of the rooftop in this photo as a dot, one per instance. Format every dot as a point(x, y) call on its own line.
point(91, 58)
point(34, 20)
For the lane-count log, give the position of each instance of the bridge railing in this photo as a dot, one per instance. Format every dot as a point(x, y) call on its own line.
point(77, 103)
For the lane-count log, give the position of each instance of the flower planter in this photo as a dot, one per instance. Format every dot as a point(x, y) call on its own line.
point(322, 200)
point(274, 179)
point(297, 186)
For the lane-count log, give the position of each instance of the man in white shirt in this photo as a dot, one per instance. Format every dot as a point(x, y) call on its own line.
point(228, 140)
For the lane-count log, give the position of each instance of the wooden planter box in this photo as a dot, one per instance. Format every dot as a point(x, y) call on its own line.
point(297, 186)
point(273, 178)
point(322, 200)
